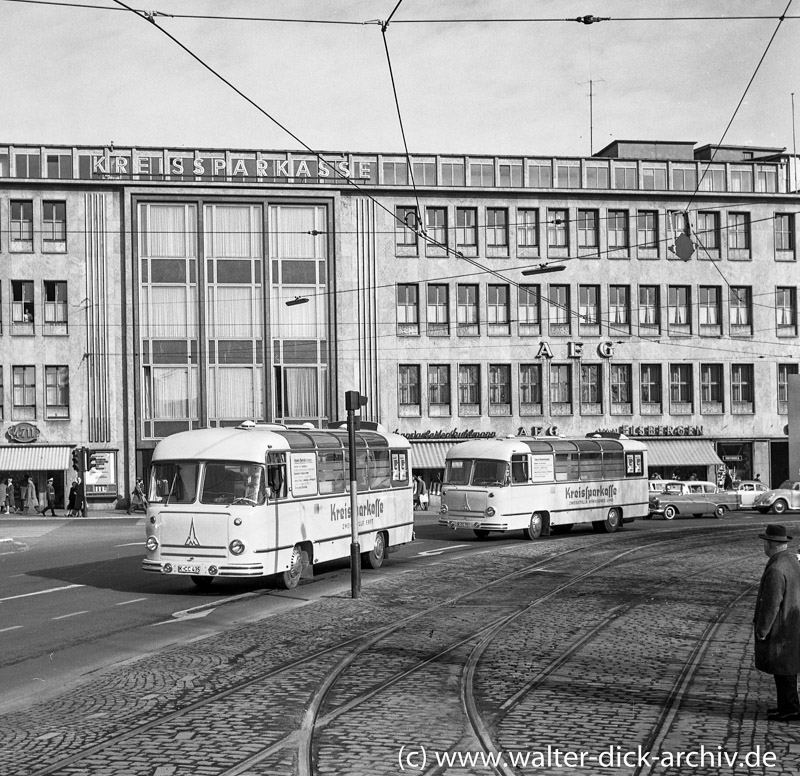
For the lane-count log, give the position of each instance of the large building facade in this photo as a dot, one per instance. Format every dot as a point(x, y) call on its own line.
point(148, 291)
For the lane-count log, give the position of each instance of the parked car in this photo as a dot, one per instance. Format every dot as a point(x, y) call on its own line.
point(782, 499)
point(748, 490)
point(695, 497)
point(658, 486)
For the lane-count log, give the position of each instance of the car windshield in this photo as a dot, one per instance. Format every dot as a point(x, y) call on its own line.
point(173, 482)
point(231, 483)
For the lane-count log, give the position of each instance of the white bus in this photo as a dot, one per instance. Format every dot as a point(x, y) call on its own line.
point(541, 485)
point(258, 500)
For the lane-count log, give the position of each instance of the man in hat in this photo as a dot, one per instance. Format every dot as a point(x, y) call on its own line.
point(776, 622)
point(51, 498)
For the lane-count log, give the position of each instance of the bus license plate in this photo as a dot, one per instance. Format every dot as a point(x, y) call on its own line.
point(466, 523)
point(188, 569)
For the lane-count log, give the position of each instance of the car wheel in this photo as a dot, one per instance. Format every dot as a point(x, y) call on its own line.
point(720, 510)
point(670, 512)
point(779, 507)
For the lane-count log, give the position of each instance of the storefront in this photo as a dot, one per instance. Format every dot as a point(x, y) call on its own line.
point(37, 462)
point(682, 459)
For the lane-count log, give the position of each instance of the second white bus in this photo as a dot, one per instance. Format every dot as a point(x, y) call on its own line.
point(538, 485)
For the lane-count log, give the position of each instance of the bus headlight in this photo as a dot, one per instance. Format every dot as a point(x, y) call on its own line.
point(443, 509)
point(213, 571)
point(166, 568)
point(489, 511)
point(151, 543)
point(236, 547)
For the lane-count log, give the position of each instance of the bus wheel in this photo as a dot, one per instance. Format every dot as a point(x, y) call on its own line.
point(613, 521)
point(291, 576)
point(481, 533)
point(375, 557)
point(534, 529)
point(202, 581)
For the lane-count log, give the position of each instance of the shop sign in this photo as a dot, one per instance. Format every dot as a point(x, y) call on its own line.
point(23, 432)
point(454, 434)
point(654, 431)
point(574, 350)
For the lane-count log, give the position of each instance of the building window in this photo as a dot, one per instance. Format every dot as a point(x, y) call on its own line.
point(59, 166)
point(591, 389)
point(588, 231)
point(707, 233)
point(28, 165)
point(654, 178)
point(407, 309)
point(21, 225)
point(56, 391)
point(54, 223)
point(649, 309)
point(540, 175)
point(2, 395)
point(684, 178)
point(510, 174)
point(681, 389)
point(528, 229)
point(739, 231)
point(710, 304)
point(438, 324)
point(468, 319)
point(469, 389)
point(620, 382)
point(24, 394)
point(499, 389)
point(22, 307)
point(589, 307)
point(406, 227)
point(560, 311)
point(766, 180)
point(439, 390)
point(558, 228)
point(786, 311)
point(481, 173)
point(784, 370)
point(741, 307)
point(647, 229)
point(466, 227)
point(497, 228)
point(530, 389)
point(395, 173)
point(452, 173)
point(742, 392)
point(712, 179)
point(561, 389)
point(619, 309)
point(436, 230)
point(55, 307)
point(742, 180)
point(711, 389)
point(625, 178)
point(498, 313)
point(679, 310)
point(409, 394)
point(651, 389)
point(529, 310)
point(596, 176)
point(784, 235)
point(568, 176)
point(424, 173)
point(618, 231)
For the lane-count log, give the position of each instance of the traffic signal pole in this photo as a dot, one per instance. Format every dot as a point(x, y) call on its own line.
point(353, 401)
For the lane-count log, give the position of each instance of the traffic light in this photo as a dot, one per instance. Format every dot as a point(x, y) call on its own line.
point(76, 458)
point(91, 459)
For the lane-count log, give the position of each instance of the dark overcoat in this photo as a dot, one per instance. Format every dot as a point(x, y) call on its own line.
point(776, 623)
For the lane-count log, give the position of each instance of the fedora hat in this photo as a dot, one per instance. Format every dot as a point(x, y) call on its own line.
point(775, 533)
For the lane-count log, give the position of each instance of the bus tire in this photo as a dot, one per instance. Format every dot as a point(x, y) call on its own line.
point(481, 533)
point(202, 582)
point(375, 557)
point(291, 577)
point(613, 521)
point(534, 529)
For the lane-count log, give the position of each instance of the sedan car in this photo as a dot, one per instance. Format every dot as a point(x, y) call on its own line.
point(748, 490)
point(696, 498)
point(785, 498)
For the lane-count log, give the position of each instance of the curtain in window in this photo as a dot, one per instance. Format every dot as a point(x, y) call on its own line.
point(300, 391)
point(171, 395)
point(230, 313)
point(236, 231)
point(166, 231)
point(292, 228)
point(233, 390)
point(169, 312)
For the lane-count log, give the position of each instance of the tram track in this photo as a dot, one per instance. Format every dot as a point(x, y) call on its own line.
point(321, 710)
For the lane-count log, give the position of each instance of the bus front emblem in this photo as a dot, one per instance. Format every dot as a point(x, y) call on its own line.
point(191, 539)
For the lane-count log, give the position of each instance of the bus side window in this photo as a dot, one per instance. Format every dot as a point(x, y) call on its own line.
point(331, 472)
point(379, 469)
point(519, 469)
point(276, 475)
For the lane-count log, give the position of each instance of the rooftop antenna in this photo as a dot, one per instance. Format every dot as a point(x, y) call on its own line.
point(794, 151)
point(591, 83)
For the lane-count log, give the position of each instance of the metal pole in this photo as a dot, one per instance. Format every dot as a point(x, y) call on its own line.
point(355, 549)
point(794, 151)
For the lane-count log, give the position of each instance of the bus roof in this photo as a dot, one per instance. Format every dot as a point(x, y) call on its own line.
point(502, 448)
point(252, 442)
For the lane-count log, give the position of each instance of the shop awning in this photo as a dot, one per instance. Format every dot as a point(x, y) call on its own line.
point(681, 452)
point(34, 458)
point(429, 455)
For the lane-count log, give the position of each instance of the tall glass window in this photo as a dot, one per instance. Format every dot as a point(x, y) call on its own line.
point(438, 310)
point(468, 318)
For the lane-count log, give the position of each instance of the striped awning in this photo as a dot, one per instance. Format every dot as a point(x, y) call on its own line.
point(681, 452)
point(34, 458)
point(429, 455)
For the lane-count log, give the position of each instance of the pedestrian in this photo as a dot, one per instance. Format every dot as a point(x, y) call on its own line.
point(776, 622)
point(51, 498)
point(728, 480)
point(73, 494)
point(423, 494)
point(758, 478)
point(29, 496)
point(139, 500)
point(80, 498)
point(11, 498)
point(416, 492)
point(3, 496)
point(693, 478)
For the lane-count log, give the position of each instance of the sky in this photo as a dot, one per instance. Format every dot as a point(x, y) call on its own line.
point(74, 74)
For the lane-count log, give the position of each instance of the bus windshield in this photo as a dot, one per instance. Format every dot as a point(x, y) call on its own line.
point(479, 472)
point(226, 482)
point(173, 483)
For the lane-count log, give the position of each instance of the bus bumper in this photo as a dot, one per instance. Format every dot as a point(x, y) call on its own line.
point(193, 569)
